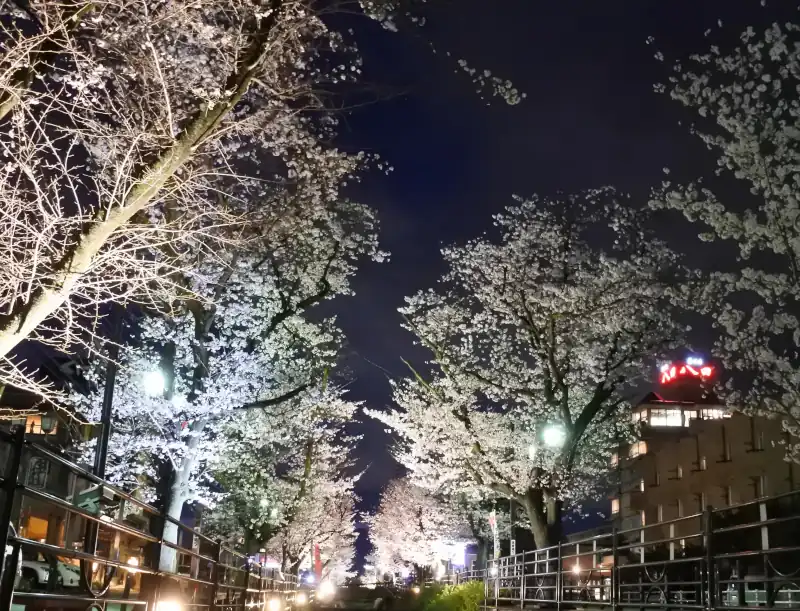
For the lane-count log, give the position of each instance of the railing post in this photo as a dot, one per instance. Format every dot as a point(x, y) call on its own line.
point(522, 584)
point(6, 514)
point(246, 581)
point(614, 570)
point(711, 598)
point(558, 578)
point(215, 580)
point(10, 485)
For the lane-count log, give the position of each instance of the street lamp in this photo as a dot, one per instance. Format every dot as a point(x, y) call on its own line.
point(154, 383)
point(554, 436)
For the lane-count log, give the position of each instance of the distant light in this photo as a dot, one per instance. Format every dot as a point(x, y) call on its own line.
point(493, 571)
point(554, 436)
point(326, 590)
point(405, 573)
point(416, 590)
point(694, 361)
point(576, 569)
point(664, 367)
point(154, 383)
point(274, 604)
point(133, 561)
point(310, 578)
point(301, 598)
point(168, 605)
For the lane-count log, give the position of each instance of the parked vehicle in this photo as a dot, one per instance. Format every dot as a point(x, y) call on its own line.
point(36, 573)
point(7, 554)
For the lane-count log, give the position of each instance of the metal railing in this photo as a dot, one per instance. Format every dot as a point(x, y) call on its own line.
point(72, 540)
point(739, 557)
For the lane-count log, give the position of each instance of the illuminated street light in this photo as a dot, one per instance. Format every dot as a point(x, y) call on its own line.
point(493, 571)
point(169, 605)
point(274, 604)
point(301, 598)
point(554, 436)
point(154, 383)
point(576, 569)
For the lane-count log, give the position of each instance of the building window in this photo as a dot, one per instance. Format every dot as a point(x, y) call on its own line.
point(614, 505)
point(760, 486)
point(688, 415)
point(666, 417)
point(660, 512)
point(38, 469)
point(714, 413)
point(637, 449)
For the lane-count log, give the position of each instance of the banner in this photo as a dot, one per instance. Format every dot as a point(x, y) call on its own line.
point(495, 536)
point(317, 563)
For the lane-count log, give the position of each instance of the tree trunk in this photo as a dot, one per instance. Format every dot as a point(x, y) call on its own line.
point(544, 514)
point(177, 498)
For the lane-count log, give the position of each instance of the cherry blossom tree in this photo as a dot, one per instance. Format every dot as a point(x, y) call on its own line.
point(748, 115)
point(286, 485)
point(413, 528)
point(247, 346)
point(536, 338)
point(128, 133)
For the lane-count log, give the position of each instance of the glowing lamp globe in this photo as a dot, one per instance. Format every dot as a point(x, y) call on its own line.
point(554, 436)
point(154, 383)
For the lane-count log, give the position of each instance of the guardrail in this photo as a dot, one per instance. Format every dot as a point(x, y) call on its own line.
point(738, 557)
point(72, 540)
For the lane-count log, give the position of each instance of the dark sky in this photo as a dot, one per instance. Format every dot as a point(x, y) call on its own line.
point(591, 118)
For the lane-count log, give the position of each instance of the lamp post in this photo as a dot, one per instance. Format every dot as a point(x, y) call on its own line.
point(101, 451)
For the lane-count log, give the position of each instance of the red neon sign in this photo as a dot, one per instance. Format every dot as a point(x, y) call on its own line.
point(692, 368)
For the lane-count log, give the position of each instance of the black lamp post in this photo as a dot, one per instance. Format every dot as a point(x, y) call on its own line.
point(101, 451)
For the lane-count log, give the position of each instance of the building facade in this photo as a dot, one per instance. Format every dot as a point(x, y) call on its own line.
point(694, 453)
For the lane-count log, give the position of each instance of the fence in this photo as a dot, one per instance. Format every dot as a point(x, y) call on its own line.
point(73, 541)
point(739, 557)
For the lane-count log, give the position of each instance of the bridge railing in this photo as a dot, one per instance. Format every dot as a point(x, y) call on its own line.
point(73, 540)
point(737, 557)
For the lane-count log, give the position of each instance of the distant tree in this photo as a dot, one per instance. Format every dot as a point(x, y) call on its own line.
point(535, 340)
point(748, 114)
point(286, 486)
point(413, 528)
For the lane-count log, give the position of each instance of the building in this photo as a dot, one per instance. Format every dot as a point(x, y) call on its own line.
point(694, 453)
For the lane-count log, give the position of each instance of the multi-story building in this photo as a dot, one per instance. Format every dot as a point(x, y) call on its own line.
point(694, 453)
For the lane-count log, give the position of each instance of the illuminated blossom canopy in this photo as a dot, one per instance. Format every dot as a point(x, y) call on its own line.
point(536, 339)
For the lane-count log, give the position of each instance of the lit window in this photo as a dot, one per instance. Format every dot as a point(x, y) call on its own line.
point(637, 449)
point(639, 416)
point(688, 415)
point(666, 417)
point(614, 505)
point(714, 413)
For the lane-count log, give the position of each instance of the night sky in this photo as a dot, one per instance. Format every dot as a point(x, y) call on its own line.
point(591, 118)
